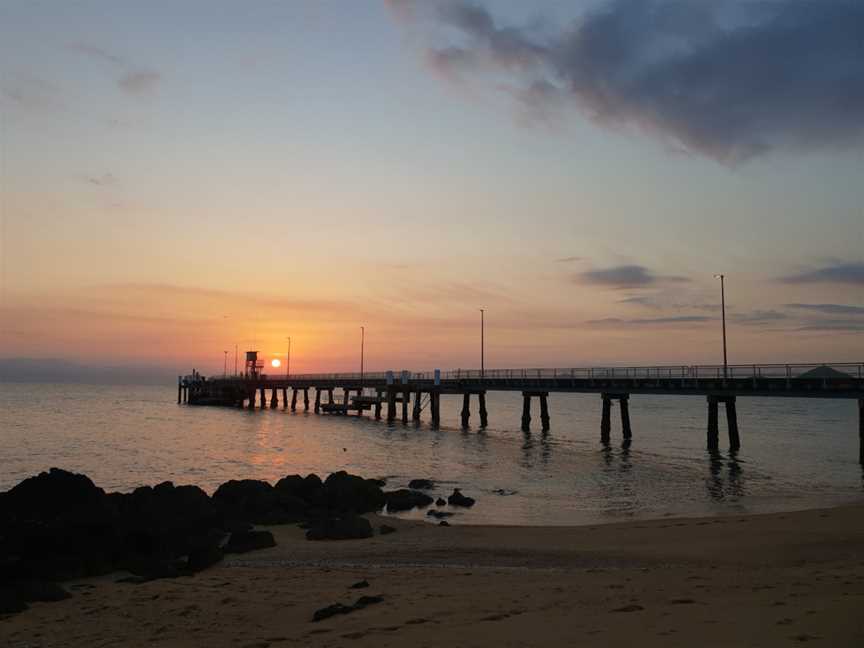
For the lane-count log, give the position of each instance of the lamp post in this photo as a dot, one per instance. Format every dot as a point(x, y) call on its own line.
point(482, 343)
point(722, 279)
point(362, 351)
point(288, 359)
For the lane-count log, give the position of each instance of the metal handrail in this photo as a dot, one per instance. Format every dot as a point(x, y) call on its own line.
point(794, 371)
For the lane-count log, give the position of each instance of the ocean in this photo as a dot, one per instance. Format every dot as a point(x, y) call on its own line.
point(795, 453)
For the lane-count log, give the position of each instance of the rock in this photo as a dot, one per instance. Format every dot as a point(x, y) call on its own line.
point(404, 500)
point(249, 541)
point(340, 608)
point(443, 523)
point(439, 514)
point(504, 492)
point(365, 601)
point(155, 568)
point(351, 527)
point(251, 499)
point(346, 492)
point(360, 585)
point(421, 484)
point(440, 502)
point(203, 557)
point(458, 499)
point(386, 529)
point(41, 591)
point(11, 602)
point(331, 610)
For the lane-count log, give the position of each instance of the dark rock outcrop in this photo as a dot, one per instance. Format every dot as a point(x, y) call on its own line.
point(244, 541)
point(421, 484)
point(458, 499)
point(405, 499)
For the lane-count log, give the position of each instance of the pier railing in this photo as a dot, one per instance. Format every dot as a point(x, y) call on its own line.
point(809, 371)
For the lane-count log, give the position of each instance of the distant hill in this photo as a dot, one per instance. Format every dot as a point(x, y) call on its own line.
point(52, 370)
point(824, 372)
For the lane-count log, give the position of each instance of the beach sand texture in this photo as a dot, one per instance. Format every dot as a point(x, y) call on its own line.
point(781, 579)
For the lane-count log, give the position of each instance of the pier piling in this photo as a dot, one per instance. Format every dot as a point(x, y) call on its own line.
point(484, 416)
point(378, 405)
point(732, 424)
point(391, 405)
point(305, 399)
point(544, 412)
point(713, 428)
point(466, 409)
point(274, 398)
point(284, 398)
point(606, 419)
point(406, 397)
point(263, 397)
point(418, 403)
point(435, 407)
point(294, 399)
point(526, 412)
point(317, 401)
point(861, 430)
point(179, 389)
point(624, 402)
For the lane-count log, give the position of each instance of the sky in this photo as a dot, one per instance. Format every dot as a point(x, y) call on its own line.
point(182, 177)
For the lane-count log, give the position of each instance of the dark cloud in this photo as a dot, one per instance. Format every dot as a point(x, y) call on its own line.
point(829, 309)
point(139, 83)
point(837, 273)
point(680, 319)
point(625, 276)
point(832, 325)
point(134, 80)
point(726, 79)
point(759, 317)
point(105, 180)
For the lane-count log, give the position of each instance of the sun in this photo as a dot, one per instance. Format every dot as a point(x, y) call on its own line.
point(276, 362)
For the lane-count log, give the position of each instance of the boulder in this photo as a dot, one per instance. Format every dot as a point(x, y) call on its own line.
point(458, 499)
point(249, 541)
point(405, 499)
point(386, 529)
point(351, 527)
point(421, 484)
point(346, 492)
point(440, 502)
point(439, 514)
point(203, 557)
point(11, 601)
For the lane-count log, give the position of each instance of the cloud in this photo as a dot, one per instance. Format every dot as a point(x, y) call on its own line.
point(726, 79)
point(106, 179)
point(33, 95)
point(139, 83)
point(829, 309)
point(134, 80)
point(651, 321)
point(837, 273)
point(759, 317)
point(625, 276)
point(569, 259)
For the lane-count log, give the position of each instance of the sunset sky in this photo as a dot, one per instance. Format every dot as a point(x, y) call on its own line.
point(181, 177)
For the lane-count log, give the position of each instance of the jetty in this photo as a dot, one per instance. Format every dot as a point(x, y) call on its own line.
point(405, 395)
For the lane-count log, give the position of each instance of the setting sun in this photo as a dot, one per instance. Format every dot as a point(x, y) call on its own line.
point(276, 362)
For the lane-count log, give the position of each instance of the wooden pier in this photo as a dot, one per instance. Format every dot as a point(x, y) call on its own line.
point(395, 394)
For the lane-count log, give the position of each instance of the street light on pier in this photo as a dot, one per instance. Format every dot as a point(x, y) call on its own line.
point(722, 279)
point(288, 359)
point(482, 343)
point(362, 351)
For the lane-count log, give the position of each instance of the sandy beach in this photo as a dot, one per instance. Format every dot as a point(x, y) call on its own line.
point(764, 580)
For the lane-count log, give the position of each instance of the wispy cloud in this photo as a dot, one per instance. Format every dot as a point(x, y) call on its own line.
point(726, 79)
point(569, 259)
point(104, 180)
point(651, 321)
point(133, 79)
point(836, 273)
point(626, 276)
point(829, 309)
point(759, 317)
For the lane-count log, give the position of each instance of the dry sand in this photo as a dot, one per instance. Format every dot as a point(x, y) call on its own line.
point(765, 580)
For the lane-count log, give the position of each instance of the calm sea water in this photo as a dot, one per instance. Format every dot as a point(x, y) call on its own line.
point(795, 453)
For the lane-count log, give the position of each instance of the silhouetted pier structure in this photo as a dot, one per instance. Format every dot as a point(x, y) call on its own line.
point(396, 393)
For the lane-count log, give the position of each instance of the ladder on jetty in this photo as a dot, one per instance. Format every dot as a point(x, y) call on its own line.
point(423, 390)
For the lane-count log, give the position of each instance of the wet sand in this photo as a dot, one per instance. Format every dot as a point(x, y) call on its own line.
point(781, 579)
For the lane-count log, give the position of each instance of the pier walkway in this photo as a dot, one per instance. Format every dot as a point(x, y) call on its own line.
point(418, 391)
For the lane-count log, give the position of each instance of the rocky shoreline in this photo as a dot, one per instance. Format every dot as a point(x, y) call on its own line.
point(59, 525)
